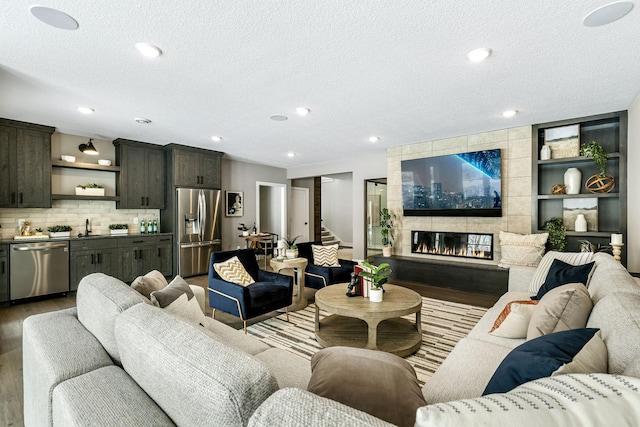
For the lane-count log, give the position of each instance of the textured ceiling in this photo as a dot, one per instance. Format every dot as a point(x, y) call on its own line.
point(395, 69)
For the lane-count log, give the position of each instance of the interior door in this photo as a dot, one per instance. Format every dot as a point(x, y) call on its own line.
point(300, 213)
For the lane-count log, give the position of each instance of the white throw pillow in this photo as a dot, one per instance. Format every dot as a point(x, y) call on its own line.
point(513, 321)
point(586, 400)
point(325, 256)
point(521, 249)
point(233, 271)
point(573, 258)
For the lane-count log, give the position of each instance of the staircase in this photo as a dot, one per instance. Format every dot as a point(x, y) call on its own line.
point(328, 238)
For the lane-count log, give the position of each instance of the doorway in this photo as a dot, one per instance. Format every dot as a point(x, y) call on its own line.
point(376, 199)
point(300, 213)
point(271, 208)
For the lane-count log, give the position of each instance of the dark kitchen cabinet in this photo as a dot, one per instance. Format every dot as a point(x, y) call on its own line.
point(164, 252)
point(25, 165)
point(89, 256)
point(4, 274)
point(141, 180)
point(140, 254)
point(193, 167)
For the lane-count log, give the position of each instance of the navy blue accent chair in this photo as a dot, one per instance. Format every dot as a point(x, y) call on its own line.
point(271, 291)
point(318, 277)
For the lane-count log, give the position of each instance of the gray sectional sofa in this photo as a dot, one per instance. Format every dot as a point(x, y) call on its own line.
point(117, 360)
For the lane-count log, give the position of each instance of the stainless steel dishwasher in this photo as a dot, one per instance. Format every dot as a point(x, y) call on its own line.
point(38, 268)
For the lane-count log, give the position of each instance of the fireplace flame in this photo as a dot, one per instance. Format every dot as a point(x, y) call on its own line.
point(462, 249)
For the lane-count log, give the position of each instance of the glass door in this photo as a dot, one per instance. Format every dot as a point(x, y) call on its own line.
point(376, 191)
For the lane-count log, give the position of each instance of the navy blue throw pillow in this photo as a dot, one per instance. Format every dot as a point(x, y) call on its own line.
point(538, 358)
point(561, 273)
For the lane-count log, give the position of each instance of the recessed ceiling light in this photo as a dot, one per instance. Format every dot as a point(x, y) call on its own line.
point(479, 55)
point(302, 111)
point(374, 139)
point(278, 117)
point(216, 138)
point(148, 50)
point(54, 17)
point(509, 113)
point(607, 14)
point(291, 154)
point(142, 120)
point(86, 110)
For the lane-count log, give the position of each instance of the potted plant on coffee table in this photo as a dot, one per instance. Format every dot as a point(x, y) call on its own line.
point(378, 276)
point(386, 230)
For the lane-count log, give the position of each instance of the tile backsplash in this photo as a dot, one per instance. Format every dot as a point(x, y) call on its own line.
point(74, 213)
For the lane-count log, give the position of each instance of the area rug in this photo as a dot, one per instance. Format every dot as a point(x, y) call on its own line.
point(443, 325)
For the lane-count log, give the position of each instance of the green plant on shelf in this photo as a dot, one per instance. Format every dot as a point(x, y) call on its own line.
point(118, 227)
point(557, 233)
point(58, 228)
point(90, 185)
point(599, 155)
point(587, 246)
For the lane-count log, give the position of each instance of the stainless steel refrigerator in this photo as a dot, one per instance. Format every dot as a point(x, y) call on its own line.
point(197, 229)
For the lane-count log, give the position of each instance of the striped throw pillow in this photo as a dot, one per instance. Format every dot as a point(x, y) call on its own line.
point(233, 271)
point(573, 258)
point(325, 256)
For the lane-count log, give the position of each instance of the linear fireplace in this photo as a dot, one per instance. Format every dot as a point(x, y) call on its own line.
point(465, 245)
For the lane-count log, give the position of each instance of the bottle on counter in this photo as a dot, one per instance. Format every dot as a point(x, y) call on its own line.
point(143, 226)
point(155, 226)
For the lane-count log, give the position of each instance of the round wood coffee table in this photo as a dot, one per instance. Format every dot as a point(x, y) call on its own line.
point(357, 322)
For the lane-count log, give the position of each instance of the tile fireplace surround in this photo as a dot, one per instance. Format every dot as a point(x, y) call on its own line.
point(451, 244)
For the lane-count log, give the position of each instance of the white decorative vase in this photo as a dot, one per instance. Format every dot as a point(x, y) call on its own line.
point(581, 223)
point(375, 295)
point(573, 180)
point(386, 251)
point(245, 232)
point(291, 253)
point(545, 152)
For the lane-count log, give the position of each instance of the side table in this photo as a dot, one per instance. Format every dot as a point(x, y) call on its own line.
point(298, 265)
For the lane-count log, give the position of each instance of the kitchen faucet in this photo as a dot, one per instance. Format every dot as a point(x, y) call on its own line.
point(86, 229)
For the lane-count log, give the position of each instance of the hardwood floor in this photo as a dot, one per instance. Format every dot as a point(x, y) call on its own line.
point(11, 318)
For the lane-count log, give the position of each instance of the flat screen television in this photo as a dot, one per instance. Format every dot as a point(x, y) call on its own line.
point(466, 184)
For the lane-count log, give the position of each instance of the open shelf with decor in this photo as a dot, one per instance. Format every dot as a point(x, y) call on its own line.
point(66, 175)
point(606, 212)
point(85, 166)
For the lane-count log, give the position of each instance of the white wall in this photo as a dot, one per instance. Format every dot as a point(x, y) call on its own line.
point(632, 245)
point(242, 176)
point(367, 166)
point(337, 199)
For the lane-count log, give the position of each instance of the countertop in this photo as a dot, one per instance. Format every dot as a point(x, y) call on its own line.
point(75, 237)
